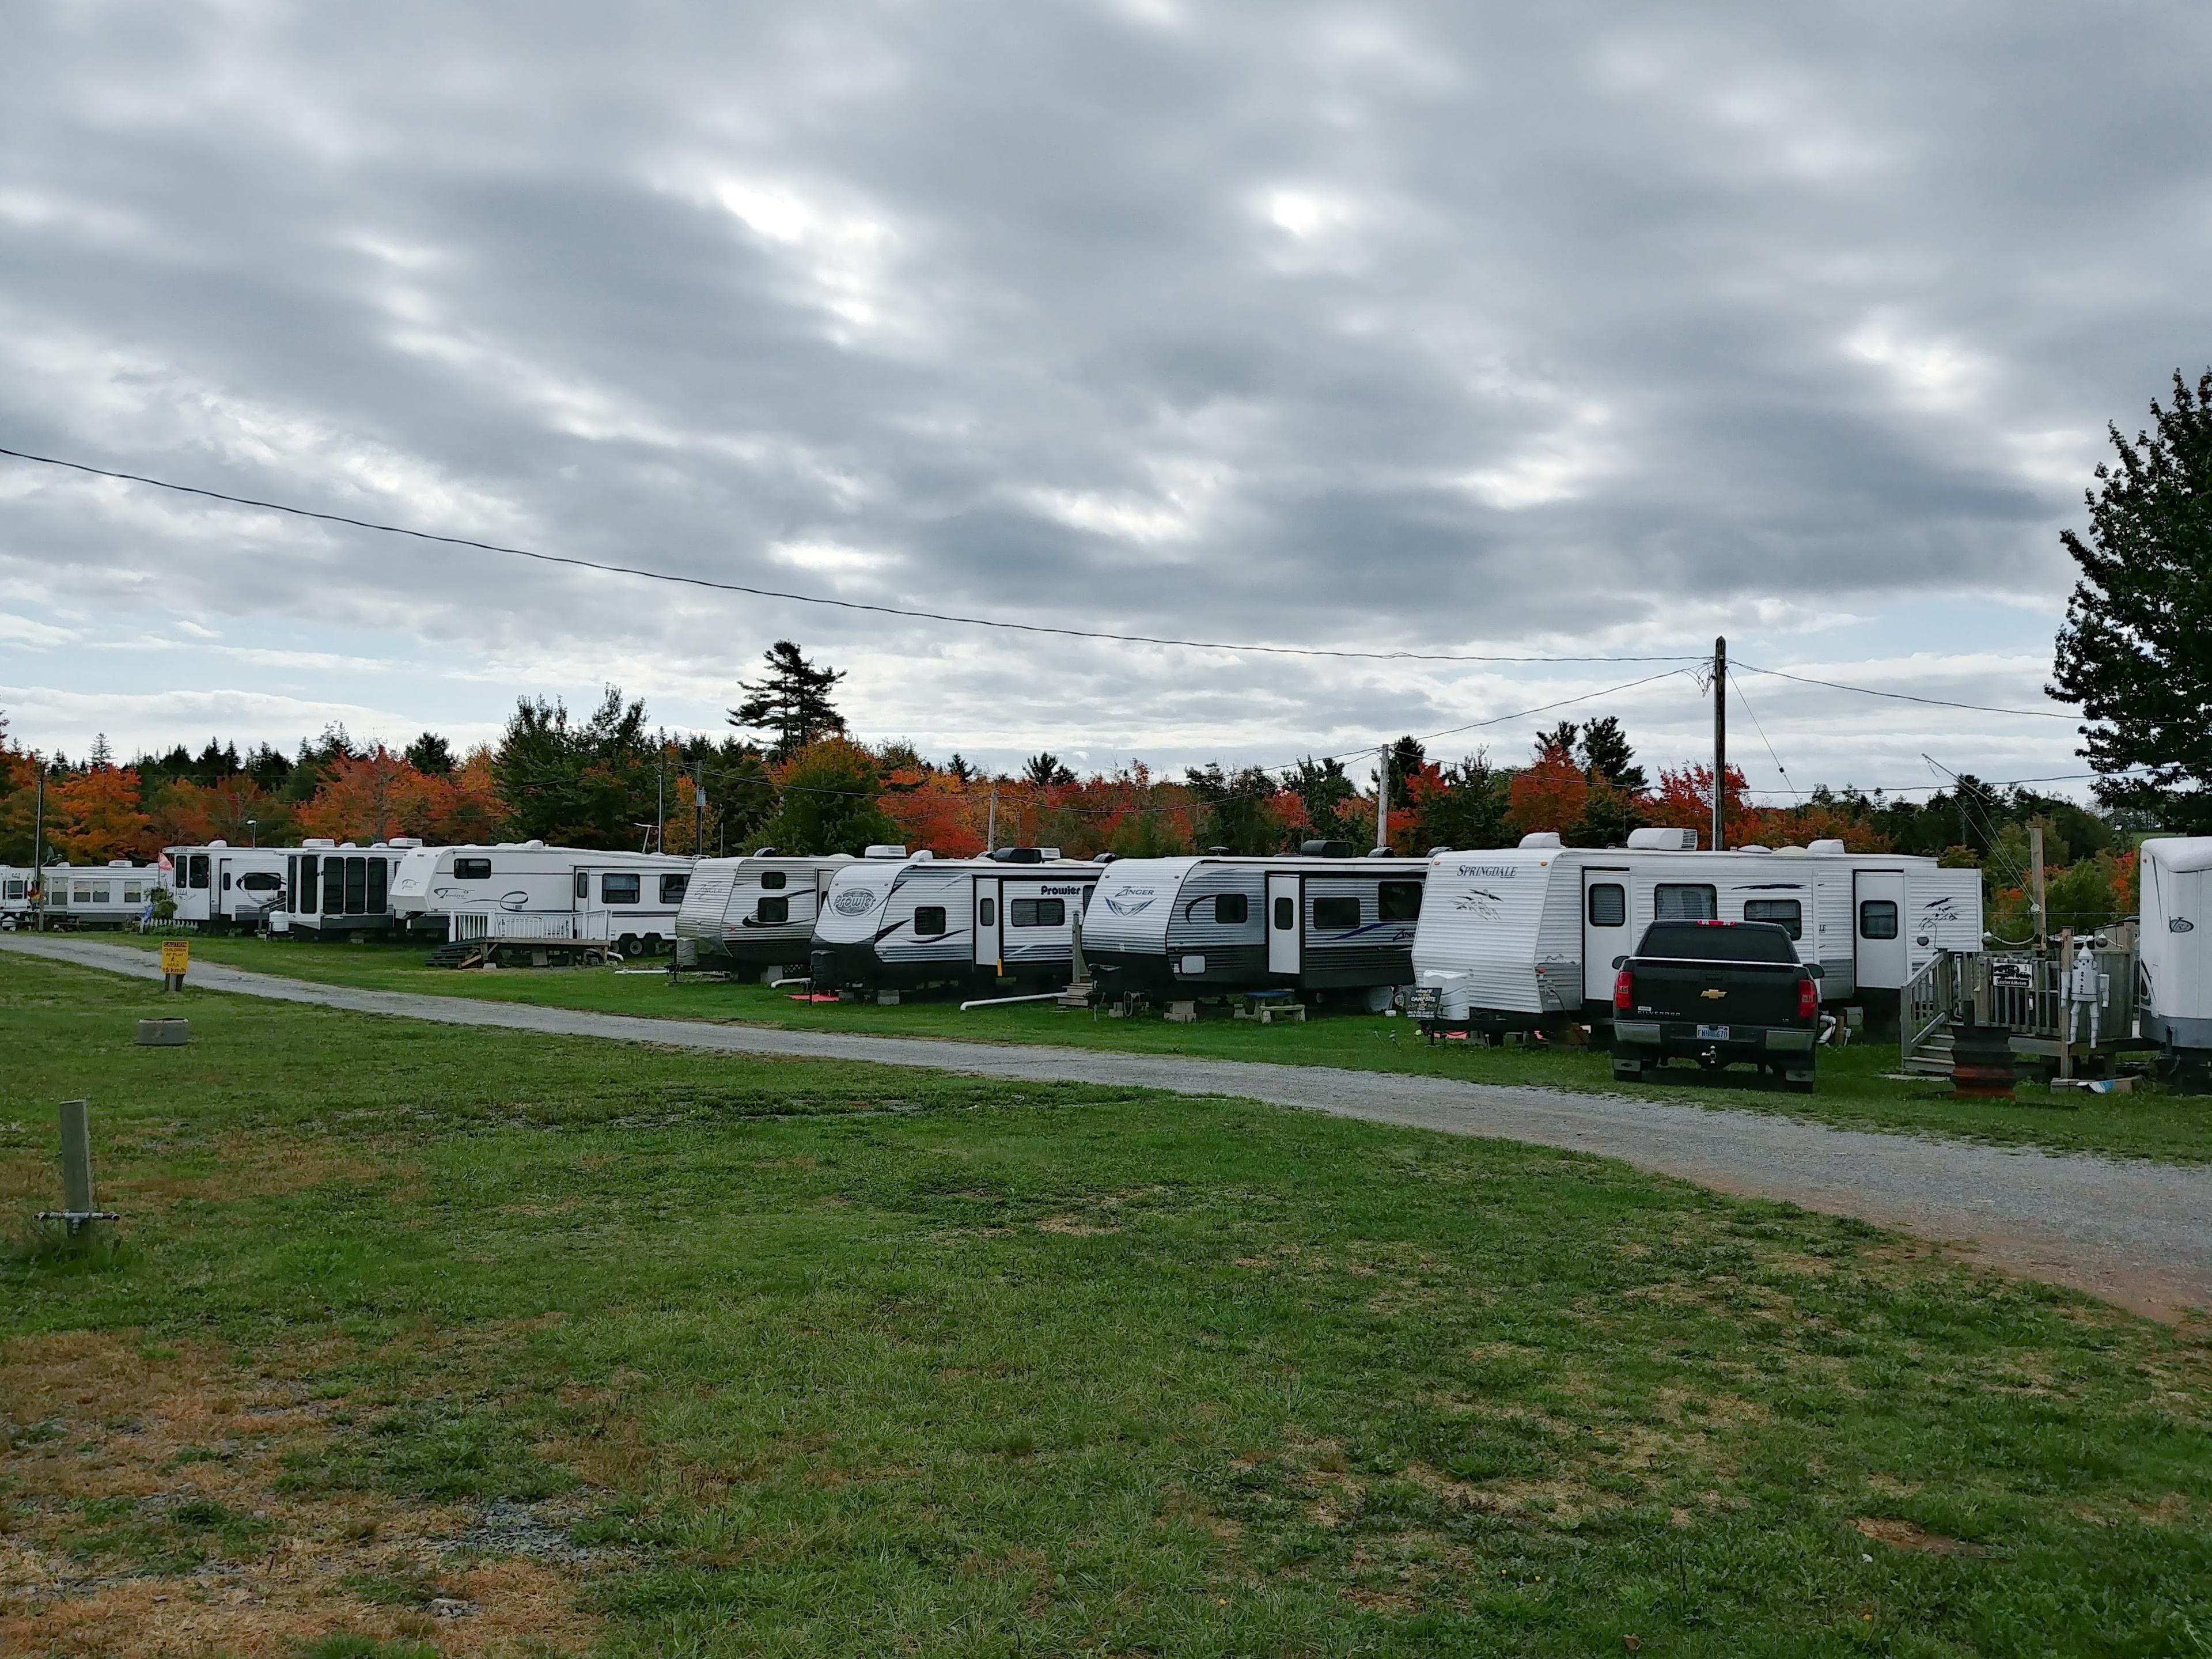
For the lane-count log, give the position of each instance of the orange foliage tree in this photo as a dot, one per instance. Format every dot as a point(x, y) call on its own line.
point(93, 815)
point(375, 797)
point(1548, 794)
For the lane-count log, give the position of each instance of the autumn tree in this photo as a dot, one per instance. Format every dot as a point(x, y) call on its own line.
point(1548, 794)
point(1238, 810)
point(828, 793)
point(93, 815)
point(1463, 805)
point(2136, 653)
point(791, 700)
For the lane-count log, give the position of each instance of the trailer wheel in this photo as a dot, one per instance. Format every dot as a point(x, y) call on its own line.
point(652, 945)
point(627, 946)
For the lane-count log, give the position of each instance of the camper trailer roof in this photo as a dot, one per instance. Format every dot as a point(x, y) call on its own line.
point(2180, 854)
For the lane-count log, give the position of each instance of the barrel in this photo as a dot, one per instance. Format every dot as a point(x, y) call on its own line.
point(1981, 1061)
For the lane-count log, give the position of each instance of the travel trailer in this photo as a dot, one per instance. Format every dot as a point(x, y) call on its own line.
point(894, 920)
point(336, 890)
point(629, 900)
point(114, 895)
point(219, 888)
point(1528, 936)
point(17, 882)
point(1208, 925)
point(757, 911)
point(2175, 945)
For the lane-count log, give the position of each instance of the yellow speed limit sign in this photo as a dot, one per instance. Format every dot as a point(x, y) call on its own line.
point(176, 956)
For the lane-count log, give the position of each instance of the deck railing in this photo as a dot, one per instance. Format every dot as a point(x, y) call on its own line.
point(2023, 993)
point(589, 926)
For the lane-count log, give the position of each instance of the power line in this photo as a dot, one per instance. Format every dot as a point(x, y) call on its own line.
point(608, 569)
point(1763, 737)
point(1904, 696)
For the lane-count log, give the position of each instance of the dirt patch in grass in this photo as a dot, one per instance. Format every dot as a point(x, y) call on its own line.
point(1901, 1534)
point(147, 1518)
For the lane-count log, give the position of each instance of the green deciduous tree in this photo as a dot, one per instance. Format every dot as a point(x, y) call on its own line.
point(829, 794)
point(577, 785)
point(2137, 650)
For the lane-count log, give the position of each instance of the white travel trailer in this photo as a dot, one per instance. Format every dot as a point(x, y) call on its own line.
point(1203, 926)
point(629, 900)
point(2176, 946)
point(893, 919)
point(1528, 936)
point(337, 890)
point(218, 887)
point(757, 911)
point(114, 895)
point(16, 885)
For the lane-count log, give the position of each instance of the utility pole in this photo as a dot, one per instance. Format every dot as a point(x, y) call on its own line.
point(2035, 886)
point(660, 800)
point(699, 814)
point(1720, 744)
point(39, 842)
point(1383, 796)
point(991, 823)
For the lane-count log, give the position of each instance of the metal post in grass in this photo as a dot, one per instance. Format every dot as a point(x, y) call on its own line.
point(76, 1213)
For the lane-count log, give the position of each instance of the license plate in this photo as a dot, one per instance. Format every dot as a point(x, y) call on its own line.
point(1712, 1033)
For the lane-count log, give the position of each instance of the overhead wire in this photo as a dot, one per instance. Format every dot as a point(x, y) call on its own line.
point(1905, 696)
point(1763, 737)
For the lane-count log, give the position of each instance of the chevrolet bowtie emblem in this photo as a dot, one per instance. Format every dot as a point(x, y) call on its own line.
point(1713, 995)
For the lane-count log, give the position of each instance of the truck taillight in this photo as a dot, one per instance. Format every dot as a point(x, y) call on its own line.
point(1624, 991)
point(1809, 998)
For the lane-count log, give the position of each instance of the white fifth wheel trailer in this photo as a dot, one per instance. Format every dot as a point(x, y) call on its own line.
point(2176, 946)
point(757, 911)
point(1529, 935)
point(337, 890)
point(1201, 926)
point(893, 919)
point(17, 883)
point(220, 887)
point(629, 900)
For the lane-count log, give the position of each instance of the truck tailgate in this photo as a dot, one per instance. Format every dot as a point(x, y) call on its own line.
point(1716, 992)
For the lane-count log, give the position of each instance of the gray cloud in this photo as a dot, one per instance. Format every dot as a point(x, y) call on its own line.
point(1396, 325)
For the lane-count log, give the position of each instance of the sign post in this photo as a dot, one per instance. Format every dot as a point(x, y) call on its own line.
point(176, 957)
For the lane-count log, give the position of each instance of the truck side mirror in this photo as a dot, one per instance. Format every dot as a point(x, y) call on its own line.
point(1620, 962)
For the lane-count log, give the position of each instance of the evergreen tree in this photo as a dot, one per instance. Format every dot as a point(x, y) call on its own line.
point(791, 700)
point(101, 753)
point(1606, 756)
point(1331, 812)
point(1237, 809)
point(2137, 650)
point(431, 755)
point(1406, 758)
point(587, 785)
point(1560, 737)
point(1045, 770)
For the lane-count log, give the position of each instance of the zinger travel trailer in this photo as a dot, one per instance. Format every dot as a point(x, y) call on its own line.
point(2175, 943)
point(757, 911)
point(629, 900)
point(1207, 925)
point(1526, 937)
point(896, 920)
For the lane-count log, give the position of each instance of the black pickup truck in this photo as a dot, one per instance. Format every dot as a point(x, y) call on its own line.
point(1719, 992)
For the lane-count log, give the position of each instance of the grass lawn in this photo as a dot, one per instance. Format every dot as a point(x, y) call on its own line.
point(612, 1350)
point(1855, 1089)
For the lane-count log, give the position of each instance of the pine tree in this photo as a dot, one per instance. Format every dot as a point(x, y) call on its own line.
point(101, 753)
point(1606, 755)
point(431, 755)
point(1045, 770)
point(2137, 650)
point(791, 700)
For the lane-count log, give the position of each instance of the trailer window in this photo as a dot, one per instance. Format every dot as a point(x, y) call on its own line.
point(1286, 913)
point(987, 913)
point(771, 879)
point(1399, 900)
point(91, 895)
point(671, 888)
point(772, 912)
point(333, 887)
point(1877, 918)
point(1337, 915)
point(620, 888)
point(303, 893)
point(199, 863)
point(1685, 901)
point(583, 884)
point(15, 889)
point(1230, 909)
point(928, 921)
point(377, 876)
point(1607, 904)
point(1783, 913)
point(226, 881)
point(471, 869)
point(356, 885)
point(260, 881)
point(58, 893)
point(1037, 913)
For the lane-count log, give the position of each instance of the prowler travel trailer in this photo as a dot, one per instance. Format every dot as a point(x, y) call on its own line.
point(893, 919)
point(1208, 925)
point(336, 890)
point(527, 890)
point(1526, 937)
point(221, 888)
point(757, 911)
point(2176, 949)
point(114, 895)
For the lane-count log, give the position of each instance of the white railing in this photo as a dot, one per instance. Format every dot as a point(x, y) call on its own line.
point(587, 926)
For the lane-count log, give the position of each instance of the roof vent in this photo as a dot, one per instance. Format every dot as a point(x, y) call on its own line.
point(925, 856)
point(1753, 847)
point(1218, 851)
point(1104, 857)
point(1663, 840)
point(1541, 839)
point(1380, 853)
point(885, 850)
point(218, 844)
point(1826, 847)
point(763, 852)
point(1326, 849)
point(1019, 854)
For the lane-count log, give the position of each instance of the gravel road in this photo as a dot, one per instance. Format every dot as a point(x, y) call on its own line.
point(2136, 1233)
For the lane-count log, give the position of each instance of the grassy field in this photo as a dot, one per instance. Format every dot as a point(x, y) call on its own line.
point(1855, 1089)
point(614, 1350)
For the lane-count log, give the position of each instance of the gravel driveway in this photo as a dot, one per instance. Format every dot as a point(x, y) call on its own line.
point(2136, 1233)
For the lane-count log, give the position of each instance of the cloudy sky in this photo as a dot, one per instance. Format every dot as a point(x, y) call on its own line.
point(1477, 329)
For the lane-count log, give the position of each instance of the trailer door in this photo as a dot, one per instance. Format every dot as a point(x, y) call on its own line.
point(989, 921)
point(1285, 902)
point(1605, 930)
point(1878, 941)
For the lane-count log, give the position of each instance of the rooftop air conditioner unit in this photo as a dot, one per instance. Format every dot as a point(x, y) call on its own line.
point(885, 850)
point(1663, 840)
point(1541, 839)
point(1826, 847)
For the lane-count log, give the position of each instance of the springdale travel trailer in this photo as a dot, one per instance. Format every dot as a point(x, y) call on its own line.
point(1526, 936)
point(757, 911)
point(2175, 945)
point(1207, 925)
point(114, 895)
point(896, 920)
point(529, 890)
point(219, 888)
